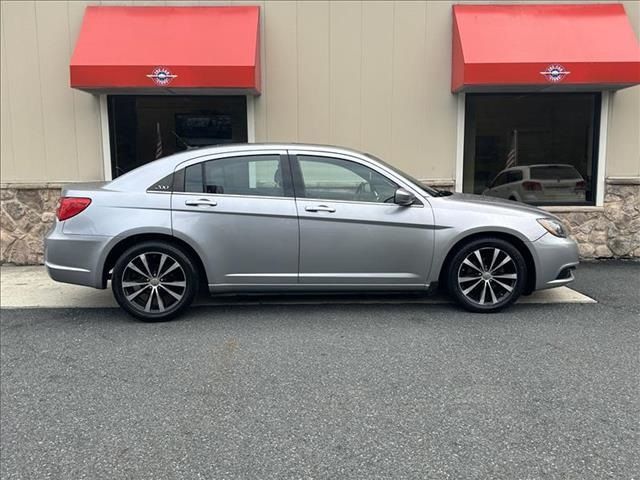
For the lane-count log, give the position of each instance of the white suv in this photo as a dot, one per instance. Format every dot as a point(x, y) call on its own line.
point(540, 184)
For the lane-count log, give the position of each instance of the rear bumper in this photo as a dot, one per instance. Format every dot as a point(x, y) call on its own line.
point(76, 259)
point(556, 258)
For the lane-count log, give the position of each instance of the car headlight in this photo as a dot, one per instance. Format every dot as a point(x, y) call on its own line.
point(554, 227)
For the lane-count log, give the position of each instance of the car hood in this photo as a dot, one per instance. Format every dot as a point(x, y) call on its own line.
point(497, 202)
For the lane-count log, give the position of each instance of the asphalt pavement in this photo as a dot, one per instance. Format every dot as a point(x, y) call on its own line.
point(329, 391)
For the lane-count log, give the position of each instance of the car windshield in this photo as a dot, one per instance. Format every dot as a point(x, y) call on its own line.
point(431, 191)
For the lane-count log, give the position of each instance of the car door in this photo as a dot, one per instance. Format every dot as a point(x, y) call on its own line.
point(351, 232)
point(239, 212)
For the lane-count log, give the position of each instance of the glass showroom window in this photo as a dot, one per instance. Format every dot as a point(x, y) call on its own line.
point(538, 148)
point(143, 128)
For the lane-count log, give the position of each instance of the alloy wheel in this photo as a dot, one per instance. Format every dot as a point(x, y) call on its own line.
point(487, 276)
point(154, 282)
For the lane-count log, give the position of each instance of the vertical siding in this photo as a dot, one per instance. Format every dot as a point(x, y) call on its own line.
point(441, 105)
point(50, 133)
point(57, 98)
point(23, 90)
point(6, 131)
point(372, 75)
point(280, 94)
point(623, 138)
point(377, 77)
point(409, 109)
point(345, 73)
point(313, 71)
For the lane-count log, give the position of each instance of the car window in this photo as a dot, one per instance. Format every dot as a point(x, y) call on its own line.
point(337, 179)
point(555, 172)
point(252, 175)
point(499, 180)
point(514, 176)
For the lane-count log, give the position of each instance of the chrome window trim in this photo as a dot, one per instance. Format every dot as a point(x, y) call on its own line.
point(218, 156)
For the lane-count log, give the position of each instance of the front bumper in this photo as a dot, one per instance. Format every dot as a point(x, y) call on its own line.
point(76, 259)
point(555, 258)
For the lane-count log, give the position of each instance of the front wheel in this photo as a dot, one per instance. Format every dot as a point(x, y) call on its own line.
point(154, 281)
point(487, 275)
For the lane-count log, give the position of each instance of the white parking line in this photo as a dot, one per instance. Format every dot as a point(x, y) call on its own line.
point(31, 287)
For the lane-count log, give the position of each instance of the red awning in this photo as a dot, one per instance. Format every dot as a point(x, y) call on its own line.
point(499, 47)
point(167, 48)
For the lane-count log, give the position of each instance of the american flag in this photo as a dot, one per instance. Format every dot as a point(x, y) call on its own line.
point(158, 141)
point(512, 155)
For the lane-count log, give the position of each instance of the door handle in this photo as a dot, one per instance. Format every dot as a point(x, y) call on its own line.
point(204, 202)
point(320, 208)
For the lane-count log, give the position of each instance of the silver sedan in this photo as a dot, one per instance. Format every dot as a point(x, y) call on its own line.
point(296, 218)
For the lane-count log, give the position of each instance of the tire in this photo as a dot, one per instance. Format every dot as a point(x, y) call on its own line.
point(490, 283)
point(141, 292)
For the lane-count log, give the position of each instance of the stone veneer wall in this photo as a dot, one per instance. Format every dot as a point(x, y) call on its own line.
point(612, 231)
point(27, 212)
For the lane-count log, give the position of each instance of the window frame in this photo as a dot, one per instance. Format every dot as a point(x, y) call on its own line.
point(287, 179)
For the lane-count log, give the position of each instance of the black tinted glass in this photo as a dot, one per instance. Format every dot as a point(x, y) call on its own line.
point(254, 175)
point(551, 137)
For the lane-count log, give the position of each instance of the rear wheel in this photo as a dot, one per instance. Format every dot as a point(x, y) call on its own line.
point(487, 275)
point(154, 281)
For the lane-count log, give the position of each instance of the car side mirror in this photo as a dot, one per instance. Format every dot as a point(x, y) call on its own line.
point(403, 197)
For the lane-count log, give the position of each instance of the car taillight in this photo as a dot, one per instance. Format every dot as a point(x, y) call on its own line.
point(581, 185)
point(532, 186)
point(71, 206)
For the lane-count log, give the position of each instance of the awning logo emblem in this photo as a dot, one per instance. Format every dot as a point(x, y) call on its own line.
point(161, 76)
point(555, 73)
